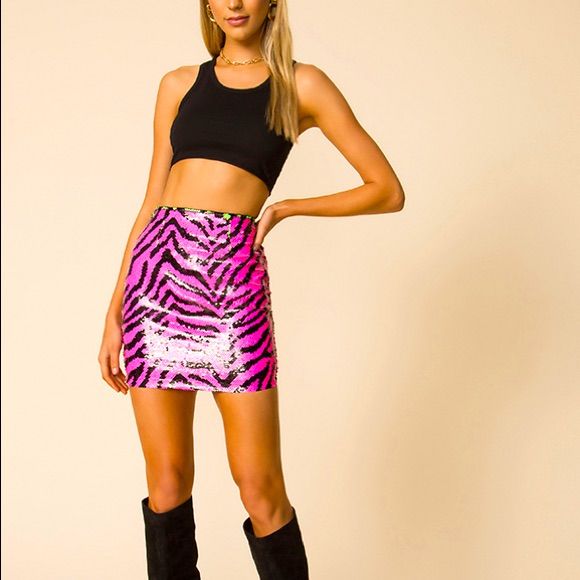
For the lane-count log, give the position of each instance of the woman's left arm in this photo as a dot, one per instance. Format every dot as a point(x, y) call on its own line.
point(328, 110)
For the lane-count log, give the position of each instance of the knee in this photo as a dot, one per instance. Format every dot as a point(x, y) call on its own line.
point(262, 495)
point(169, 486)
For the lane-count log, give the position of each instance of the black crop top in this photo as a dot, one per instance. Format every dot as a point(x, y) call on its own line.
point(228, 124)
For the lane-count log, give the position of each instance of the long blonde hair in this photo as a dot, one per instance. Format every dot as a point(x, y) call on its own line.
point(276, 48)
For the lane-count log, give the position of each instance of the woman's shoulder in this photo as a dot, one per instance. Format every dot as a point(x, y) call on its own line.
point(181, 74)
point(310, 75)
point(175, 80)
point(309, 71)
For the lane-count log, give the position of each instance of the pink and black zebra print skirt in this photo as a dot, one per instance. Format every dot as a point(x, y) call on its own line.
point(196, 308)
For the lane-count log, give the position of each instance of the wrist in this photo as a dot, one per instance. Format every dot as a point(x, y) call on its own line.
point(283, 209)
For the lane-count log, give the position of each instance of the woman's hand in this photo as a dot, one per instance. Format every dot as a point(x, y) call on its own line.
point(272, 215)
point(109, 356)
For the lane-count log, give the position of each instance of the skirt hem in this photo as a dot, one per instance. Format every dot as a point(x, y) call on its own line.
point(195, 388)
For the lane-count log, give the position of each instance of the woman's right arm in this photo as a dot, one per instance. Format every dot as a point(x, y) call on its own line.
point(165, 110)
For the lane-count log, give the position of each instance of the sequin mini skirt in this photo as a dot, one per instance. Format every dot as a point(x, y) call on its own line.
point(196, 310)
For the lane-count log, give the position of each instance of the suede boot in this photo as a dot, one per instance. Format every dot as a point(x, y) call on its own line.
point(170, 540)
point(279, 555)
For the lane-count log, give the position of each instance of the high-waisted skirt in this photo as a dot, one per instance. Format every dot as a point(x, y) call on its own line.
point(197, 310)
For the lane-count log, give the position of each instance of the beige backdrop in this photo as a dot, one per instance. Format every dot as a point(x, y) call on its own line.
point(429, 365)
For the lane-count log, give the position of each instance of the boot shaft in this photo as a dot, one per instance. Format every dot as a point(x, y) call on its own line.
point(170, 541)
point(280, 555)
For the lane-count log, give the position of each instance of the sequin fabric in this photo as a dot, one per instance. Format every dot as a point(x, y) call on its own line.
point(197, 310)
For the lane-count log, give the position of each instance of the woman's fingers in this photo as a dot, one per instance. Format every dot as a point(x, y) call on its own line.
point(259, 237)
point(116, 372)
point(123, 387)
point(109, 357)
point(114, 378)
point(114, 362)
point(106, 372)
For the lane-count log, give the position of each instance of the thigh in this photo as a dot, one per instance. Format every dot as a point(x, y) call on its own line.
point(252, 431)
point(165, 425)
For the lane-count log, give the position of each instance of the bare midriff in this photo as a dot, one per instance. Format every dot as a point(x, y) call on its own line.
point(215, 185)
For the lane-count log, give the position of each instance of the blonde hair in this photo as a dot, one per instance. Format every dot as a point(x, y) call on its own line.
point(276, 49)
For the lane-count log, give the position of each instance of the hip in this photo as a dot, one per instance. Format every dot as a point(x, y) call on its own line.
point(210, 249)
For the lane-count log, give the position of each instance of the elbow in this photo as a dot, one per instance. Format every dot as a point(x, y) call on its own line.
point(393, 200)
point(399, 199)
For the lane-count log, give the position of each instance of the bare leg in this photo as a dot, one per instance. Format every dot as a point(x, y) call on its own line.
point(252, 431)
point(165, 425)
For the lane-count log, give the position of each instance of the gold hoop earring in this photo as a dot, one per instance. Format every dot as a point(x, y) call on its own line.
point(209, 13)
point(273, 3)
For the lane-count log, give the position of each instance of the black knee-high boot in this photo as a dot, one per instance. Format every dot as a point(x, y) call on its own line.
point(170, 539)
point(281, 554)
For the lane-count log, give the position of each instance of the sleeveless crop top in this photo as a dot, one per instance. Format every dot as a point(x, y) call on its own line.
point(228, 124)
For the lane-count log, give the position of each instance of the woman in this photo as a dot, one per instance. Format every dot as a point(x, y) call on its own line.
point(192, 306)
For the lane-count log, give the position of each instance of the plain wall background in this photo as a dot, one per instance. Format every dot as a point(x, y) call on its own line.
point(429, 366)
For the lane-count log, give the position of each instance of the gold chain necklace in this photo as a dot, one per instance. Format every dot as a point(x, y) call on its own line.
point(237, 62)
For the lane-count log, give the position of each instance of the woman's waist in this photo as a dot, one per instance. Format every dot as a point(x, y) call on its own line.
point(219, 204)
point(218, 189)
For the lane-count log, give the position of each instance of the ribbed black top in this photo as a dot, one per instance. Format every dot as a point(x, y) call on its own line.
point(228, 124)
